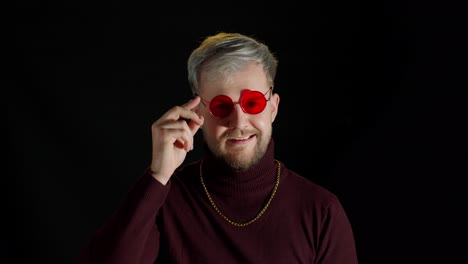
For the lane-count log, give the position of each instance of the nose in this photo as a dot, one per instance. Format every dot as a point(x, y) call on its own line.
point(238, 118)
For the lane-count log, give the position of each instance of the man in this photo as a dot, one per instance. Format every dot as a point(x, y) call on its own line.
point(237, 204)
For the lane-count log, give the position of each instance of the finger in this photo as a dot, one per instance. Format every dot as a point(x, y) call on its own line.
point(194, 126)
point(184, 111)
point(192, 103)
point(191, 128)
point(182, 139)
point(179, 125)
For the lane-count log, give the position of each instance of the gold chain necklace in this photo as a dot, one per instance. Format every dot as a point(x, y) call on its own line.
point(258, 215)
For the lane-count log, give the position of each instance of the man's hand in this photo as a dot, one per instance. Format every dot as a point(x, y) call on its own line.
point(172, 138)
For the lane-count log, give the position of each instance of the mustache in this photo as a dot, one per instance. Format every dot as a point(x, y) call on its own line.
point(237, 133)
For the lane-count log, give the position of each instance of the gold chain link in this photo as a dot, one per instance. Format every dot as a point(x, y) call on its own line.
point(253, 219)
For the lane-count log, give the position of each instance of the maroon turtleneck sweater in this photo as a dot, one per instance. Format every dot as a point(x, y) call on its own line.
point(175, 223)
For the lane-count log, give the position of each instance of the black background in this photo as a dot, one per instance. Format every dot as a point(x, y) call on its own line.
point(373, 107)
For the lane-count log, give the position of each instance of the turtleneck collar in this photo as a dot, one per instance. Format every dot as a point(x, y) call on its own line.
point(220, 176)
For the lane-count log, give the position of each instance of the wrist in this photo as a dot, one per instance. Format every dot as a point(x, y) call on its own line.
point(163, 179)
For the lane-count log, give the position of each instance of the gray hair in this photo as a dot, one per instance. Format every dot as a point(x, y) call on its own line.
point(221, 54)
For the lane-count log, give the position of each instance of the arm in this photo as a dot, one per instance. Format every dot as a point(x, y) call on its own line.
point(337, 243)
point(130, 235)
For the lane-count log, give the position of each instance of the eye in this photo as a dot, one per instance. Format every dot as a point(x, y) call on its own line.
point(222, 106)
point(252, 103)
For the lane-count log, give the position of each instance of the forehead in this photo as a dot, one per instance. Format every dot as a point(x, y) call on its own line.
point(251, 76)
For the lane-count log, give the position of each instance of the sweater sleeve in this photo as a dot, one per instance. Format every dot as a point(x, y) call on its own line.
point(337, 243)
point(130, 235)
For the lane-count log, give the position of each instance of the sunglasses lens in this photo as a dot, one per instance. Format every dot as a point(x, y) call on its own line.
point(221, 106)
point(253, 102)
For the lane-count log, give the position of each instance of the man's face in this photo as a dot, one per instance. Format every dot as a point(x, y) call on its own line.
point(240, 138)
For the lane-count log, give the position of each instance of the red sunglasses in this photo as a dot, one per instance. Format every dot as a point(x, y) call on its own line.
point(251, 102)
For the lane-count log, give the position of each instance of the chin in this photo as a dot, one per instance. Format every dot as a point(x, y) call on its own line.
point(241, 160)
point(238, 157)
point(238, 164)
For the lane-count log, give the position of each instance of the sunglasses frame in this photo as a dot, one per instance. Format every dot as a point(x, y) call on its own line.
point(207, 103)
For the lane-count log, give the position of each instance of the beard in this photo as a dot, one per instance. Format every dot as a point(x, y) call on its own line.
point(239, 159)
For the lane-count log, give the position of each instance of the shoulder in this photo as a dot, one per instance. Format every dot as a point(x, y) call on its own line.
point(305, 190)
point(186, 173)
point(188, 168)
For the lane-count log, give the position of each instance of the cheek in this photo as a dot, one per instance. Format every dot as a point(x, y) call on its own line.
point(211, 127)
point(262, 123)
point(265, 119)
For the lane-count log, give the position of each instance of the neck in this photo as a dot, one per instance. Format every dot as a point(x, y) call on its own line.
point(219, 173)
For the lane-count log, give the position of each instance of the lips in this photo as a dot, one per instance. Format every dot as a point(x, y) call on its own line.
point(240, 139)
point(244, 138)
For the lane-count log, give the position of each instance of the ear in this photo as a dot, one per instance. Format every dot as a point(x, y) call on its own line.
point(274, 104)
